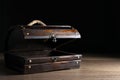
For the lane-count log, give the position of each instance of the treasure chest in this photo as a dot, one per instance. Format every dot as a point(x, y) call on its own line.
point(34, 48)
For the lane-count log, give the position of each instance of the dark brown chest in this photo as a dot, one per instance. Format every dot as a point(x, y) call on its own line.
point(33, 49)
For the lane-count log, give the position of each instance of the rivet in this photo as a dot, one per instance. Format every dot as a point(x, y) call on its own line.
point(29, 66)
point(30, 61)
point(28, 33)
point(77, 62)
point(22, 27)
point(78, 57)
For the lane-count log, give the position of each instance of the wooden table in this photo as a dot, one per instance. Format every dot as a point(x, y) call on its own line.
point(92, 68)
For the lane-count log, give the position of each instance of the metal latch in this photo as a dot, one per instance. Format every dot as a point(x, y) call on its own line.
point(53, 36)
point(54, 59)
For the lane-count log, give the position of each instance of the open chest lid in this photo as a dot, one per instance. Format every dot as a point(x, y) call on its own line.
point(43, 31)
point(39, 36)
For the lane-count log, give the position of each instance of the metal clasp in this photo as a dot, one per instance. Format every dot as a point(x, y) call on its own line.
point(54, 59)
point(53, 36)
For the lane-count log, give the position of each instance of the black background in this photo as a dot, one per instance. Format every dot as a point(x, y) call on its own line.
point(97, 21)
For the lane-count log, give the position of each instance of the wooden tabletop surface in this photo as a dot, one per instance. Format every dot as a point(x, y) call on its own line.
point(92, 68)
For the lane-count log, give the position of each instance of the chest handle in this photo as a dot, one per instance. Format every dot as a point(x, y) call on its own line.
point(36, 22)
